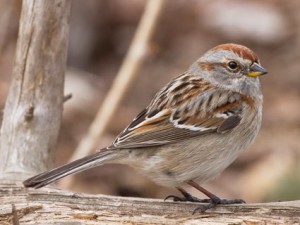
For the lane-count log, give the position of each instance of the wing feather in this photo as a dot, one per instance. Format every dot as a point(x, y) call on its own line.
point(183, 109)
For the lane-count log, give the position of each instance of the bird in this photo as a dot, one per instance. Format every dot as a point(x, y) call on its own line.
point(193, 128)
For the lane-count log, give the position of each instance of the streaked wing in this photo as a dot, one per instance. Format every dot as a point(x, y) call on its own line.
point(187, 107)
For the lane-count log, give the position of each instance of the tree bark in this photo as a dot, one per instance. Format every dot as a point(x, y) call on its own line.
point(33, 109)
point(50, 206)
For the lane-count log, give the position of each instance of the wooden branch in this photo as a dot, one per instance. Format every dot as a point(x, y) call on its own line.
point(33, 109)
point(61, 207)
point(123, 80)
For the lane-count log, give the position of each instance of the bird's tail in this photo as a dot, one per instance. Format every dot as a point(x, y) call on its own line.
point(79, 165)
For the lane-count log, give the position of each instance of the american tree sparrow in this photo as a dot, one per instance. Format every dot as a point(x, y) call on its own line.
point(193, 129)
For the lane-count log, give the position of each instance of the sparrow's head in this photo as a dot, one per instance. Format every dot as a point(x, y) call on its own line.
point(233, 67)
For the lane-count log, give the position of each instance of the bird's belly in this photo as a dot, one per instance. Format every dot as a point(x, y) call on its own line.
point(200, 158)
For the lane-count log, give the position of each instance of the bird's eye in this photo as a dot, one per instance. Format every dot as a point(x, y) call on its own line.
point(232, 65)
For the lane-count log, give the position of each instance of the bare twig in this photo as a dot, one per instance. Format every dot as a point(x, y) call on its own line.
point(6, 8)
point(122, 82)
point(67, 97)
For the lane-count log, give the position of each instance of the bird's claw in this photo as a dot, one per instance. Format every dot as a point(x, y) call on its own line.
point(217, 201)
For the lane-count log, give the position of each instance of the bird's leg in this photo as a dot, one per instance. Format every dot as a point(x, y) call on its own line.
point(186, 197)
point(214, 200)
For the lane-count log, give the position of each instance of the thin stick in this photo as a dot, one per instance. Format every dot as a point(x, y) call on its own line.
point(6, 14)
point(125, 77)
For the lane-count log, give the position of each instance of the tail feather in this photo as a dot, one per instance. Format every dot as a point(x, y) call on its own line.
point(79, 165)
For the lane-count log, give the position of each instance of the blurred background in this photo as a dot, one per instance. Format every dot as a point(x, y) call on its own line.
point(100, 34)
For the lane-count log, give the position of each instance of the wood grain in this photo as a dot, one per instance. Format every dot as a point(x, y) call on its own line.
point(52, 206)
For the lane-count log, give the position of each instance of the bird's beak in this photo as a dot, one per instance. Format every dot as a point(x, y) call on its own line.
point(256, 70)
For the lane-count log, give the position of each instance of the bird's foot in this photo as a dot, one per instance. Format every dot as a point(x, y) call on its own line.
point(187, 197)
point(213, 200)
point(217, 201)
